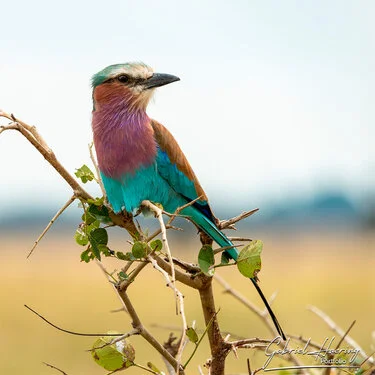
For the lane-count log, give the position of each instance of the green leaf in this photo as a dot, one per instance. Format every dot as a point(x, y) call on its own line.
point(127, 256)
point(192, 335)
point(100, 213)
point(105, 250)
point(86, 256)
point(206, 259)
point(94, 225)
point(152, 367)
point(120, 255)
point(224, 258)
point(81, 237)
point(117, 356)
point(87, 218)
point(122, 275)
point(84, 173)
point(139, 249)
point(156, 245)
point(98, 236)
point(97, 201)
point(249, 262)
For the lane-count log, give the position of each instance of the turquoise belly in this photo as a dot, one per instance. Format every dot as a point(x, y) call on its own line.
point(127, 192)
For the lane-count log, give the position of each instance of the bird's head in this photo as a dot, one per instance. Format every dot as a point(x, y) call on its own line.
point(131, 84)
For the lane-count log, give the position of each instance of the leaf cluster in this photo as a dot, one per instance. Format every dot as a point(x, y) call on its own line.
point(248, 262)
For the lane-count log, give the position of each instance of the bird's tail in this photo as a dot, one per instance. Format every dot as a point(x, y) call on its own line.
point(220, 238)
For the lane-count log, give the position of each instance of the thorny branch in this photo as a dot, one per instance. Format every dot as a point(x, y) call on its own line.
point(59, 212)
point(189, 275)
point(124, 220)
point(339, 331)
point(230, 222)
point(55, 368)
point(159, 215)
point(138, 327)
point(181, 310)
point(263, 314)
point(137, 324)
point(95, 164)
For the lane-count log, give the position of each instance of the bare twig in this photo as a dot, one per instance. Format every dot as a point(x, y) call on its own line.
point(127, 266)
point(55, 368)
point(117, 339)
point(59, 212)
point(334, 327)
point(180, 299)
point(189, 267)
point(249, 342)
point(230, 222)
point(120, 309)
point(182, 277)
point(98, 176)
point(32, 135)
point(221, 249)
point(180, 209)
point(172, 217)
point(345, 334)
point(177, 328)
point(308, 341)
point(12, 126)
point(136, 322)
point(261, 313)
point(71, 332)
point(366, 359)
point(327, 371)
point(159, 215)
point(200, 340)
point(135, 272)
point(158, 231)
point(123, 220)
point(31, 129)
point(240, 239)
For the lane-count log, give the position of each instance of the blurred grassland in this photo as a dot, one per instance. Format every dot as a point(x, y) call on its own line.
point(334, 271)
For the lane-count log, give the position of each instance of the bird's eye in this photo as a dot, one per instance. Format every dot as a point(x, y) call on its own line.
point(123, 78)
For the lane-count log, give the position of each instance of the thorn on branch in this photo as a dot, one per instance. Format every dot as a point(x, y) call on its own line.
point(229, 223)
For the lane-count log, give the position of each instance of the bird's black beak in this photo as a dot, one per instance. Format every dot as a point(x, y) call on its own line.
point(159, 79)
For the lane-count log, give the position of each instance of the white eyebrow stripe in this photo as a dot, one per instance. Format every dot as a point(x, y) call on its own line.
point(136, 71)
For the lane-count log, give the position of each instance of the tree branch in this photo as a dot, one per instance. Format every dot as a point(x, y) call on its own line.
point(262, 314)
point(136, 323)
point(230, 222)
point(59, 212)
point(339, 331)
point(181, 310)
point(124, 220)
point(219, 348)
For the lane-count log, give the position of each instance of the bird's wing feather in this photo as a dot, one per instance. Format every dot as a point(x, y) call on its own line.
point(175, 169)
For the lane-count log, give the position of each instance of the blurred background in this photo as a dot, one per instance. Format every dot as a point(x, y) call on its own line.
point(274, 110)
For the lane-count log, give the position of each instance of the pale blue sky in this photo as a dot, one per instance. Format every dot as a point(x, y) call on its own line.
point(275, 99)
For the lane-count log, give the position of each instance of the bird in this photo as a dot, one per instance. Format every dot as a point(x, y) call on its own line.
point(139, 159)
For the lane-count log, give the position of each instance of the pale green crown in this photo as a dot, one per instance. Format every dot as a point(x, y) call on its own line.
point(133, 69)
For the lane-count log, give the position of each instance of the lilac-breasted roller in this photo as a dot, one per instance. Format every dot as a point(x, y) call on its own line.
point(139, 159)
